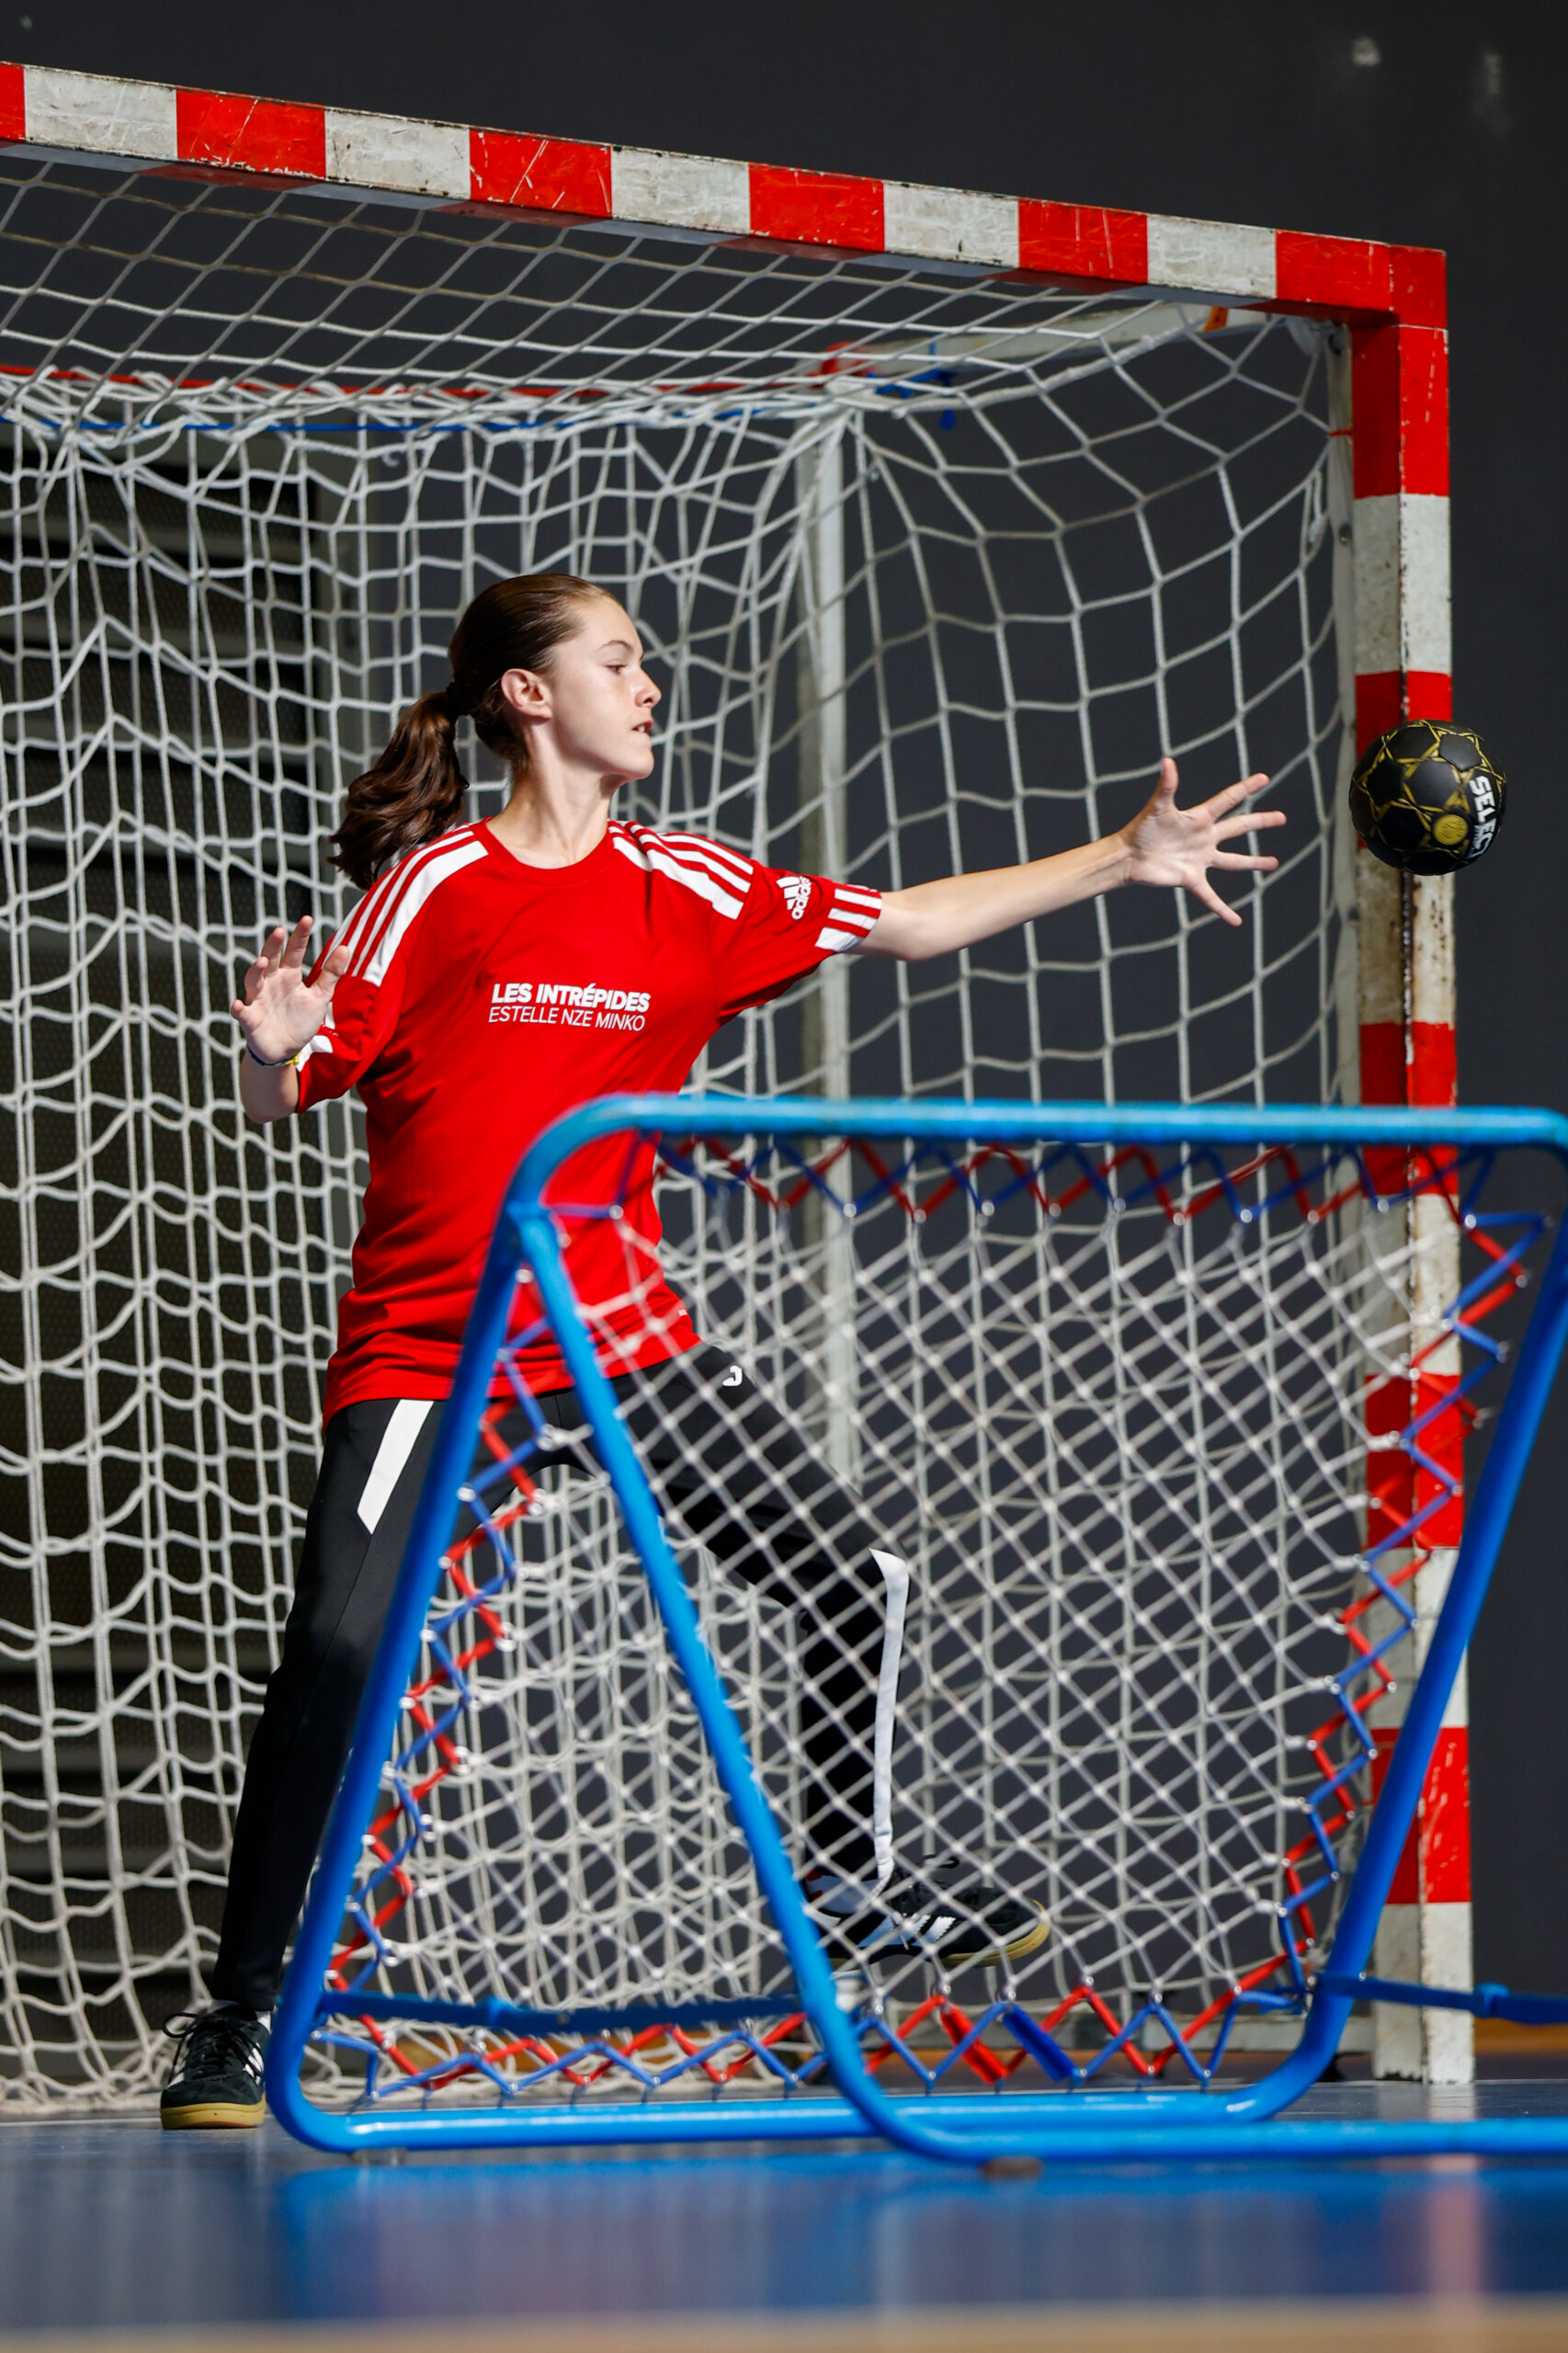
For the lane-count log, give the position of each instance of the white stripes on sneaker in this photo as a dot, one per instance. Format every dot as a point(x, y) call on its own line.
point(397, 1444)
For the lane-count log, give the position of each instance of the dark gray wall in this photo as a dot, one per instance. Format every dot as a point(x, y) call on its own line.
point(1238, 109)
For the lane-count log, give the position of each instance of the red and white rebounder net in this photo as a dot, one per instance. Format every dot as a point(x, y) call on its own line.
point(933, 564)
point(1156, 1433)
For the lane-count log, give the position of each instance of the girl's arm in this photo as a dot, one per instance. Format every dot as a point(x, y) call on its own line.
point(1162, 843)
point(279, 1012)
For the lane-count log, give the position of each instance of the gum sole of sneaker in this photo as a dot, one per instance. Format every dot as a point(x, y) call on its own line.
point(1015, 1948)
point(211, 2115)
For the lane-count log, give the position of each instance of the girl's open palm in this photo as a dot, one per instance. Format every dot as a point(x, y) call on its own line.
point(278, 1009)
point(1177, 847)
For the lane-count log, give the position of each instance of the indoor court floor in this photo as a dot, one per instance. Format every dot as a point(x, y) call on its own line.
point(114, 2234)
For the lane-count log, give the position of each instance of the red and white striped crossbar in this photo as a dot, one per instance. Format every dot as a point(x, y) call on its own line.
point(1391, 298)
point(157, 121)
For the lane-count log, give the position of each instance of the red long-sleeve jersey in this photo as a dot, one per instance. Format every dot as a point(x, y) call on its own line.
point(485, 997)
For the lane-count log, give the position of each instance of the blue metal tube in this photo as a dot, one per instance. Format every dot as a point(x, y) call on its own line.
point(1481, 2001)
point(999, 1122)
point(1097, 2128)
point(1088, 2141)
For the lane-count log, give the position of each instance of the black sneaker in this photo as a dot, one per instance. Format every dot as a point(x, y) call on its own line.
point(945, 1914)
point(218, 2067)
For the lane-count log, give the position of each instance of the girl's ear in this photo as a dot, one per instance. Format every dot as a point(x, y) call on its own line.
point(525, 692)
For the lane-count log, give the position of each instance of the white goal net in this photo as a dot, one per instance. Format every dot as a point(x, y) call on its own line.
point(932, 567)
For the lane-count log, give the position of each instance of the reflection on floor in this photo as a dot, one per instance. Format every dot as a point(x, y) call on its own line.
point(113, 2225)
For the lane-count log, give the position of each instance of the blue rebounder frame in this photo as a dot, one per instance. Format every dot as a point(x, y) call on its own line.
point(1238, 2121)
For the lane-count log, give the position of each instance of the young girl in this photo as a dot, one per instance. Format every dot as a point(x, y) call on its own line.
point(470, 922)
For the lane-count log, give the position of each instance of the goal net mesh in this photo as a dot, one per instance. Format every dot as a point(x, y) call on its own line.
point(931, 567)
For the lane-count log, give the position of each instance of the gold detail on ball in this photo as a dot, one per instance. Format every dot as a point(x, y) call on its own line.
point(1426, 798)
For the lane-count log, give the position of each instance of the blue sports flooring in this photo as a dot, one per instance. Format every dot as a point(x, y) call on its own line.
point(114, 2225)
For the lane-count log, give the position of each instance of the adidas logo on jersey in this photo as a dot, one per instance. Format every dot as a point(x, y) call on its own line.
point(797, 894)
point(560, 1004)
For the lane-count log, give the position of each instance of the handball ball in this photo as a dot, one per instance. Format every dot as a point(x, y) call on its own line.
point(1426, 798)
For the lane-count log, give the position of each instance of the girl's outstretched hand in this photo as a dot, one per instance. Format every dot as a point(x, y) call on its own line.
point(1177, 847)
point(279, 1010)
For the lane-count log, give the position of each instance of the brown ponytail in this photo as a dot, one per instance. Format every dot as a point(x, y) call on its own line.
point(416, 789)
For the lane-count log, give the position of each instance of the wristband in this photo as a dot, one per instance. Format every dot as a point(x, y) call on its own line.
point(287, 1063)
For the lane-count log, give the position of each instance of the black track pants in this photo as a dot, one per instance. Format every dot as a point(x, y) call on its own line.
point(726, 1464)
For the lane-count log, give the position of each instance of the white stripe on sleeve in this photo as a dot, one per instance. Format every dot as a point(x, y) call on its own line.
point(696, 878)
point(730, 863)
point(852, 916)
point(429, 878)
point(391, 890)
point(362, 922)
